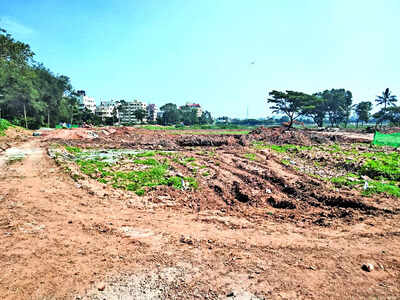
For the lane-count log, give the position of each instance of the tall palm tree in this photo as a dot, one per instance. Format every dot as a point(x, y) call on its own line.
point(386, 99)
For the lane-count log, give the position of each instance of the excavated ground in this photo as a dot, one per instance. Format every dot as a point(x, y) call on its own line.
point(254, 228)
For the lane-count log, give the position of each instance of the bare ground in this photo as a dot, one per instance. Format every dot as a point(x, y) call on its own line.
point(237, 237)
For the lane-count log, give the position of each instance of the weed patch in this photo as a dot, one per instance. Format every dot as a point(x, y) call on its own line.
point(250, 156)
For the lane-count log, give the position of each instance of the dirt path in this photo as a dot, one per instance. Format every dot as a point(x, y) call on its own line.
point(58, 240)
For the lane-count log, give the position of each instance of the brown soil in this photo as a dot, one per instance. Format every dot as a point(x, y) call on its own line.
point(254, 229)
point(12, 137)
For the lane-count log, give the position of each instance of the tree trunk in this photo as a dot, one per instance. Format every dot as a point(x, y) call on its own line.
point(48, 119)
point(26, 122)
point(290, 123)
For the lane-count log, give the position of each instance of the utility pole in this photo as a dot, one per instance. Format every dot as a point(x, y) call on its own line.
point(48, 118)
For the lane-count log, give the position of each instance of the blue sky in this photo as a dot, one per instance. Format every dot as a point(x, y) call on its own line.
point(202, 51)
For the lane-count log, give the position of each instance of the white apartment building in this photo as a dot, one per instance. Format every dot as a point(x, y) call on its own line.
point(152, 111)
point(86, 101)
point(127, 111)
point(105, 109)
point(192, 106)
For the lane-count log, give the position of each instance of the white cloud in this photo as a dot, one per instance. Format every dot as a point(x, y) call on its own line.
point(14, 27)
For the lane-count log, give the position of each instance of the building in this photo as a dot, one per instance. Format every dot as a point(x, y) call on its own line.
point(127, 111)
point(191, 106)
point(152, 112)
point(86, 101)
point(106, 109)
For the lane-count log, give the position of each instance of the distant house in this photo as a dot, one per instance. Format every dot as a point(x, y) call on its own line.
point(152, 112)
point(127, 111)
point(192, 106)
point(86, 101)
point(223, 120)
point(105, 109)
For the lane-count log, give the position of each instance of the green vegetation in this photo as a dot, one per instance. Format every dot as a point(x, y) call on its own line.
point(139, 180)
point(376, 187)
point(146, 154)
point(73, 150)
point(389, 112)
point(345, 165)
point(220, 127)
point(250, 156)
point(334, 106)
point(280, 148)
point(149, 162)
point(205, 174)
point(4, 124)
point(382, 166)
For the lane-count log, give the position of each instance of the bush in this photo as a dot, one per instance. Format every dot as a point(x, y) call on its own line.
point(4, 124)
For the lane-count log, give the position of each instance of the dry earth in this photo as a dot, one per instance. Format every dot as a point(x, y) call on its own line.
point(60, 239)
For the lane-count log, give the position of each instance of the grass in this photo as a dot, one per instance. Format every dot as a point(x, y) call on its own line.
point(4, 125)
point(376, 187)
point(73, 150)
point(13, 160)
point(197, 127)
point(214, 132)
point(155, 172)
point(205, 174)
point(280, 148)
point(250, 156)
point(148, 162)
point(382, 166)
point(146, 154)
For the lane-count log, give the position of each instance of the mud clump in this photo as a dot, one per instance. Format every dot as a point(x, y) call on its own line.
point(281, 136)
point(196, 140)
point(284, 204)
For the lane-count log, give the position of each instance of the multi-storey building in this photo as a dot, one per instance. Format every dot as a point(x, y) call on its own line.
point(152, 111)
point(106, 109)
point(127, 111)
point(191, 106)
point(86, 101)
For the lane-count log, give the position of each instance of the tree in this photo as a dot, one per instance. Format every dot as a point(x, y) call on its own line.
point(317, 110)
point(338, 105)
point(393, 115)
point(292, 104)
point(387, 100)
point(170, 114)
point(30, 94)
point(140, 114)
point(188, 115)
point(206, 118)
point(363, 111)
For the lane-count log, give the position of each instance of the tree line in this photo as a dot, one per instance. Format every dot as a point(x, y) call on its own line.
point(335, 106)
point(30, 94)
point(186, 115)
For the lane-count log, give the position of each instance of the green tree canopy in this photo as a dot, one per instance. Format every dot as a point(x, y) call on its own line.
point(292, 104)
point(140, 114)
point(338, 105)
point(30, 94)
point(387, 100)
point(363, 111)
point(170, 114)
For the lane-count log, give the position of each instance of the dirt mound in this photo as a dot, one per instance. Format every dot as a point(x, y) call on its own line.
point(13, 136)
point(281, 136)
point(196, 140)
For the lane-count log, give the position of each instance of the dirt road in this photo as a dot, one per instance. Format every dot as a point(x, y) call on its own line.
point(59, 240)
